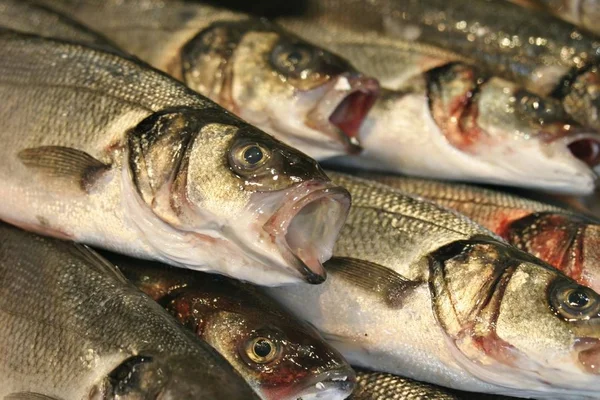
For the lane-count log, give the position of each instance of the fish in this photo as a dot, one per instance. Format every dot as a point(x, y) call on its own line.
point(302, 94)
point(74, 328)
point(440, 117)
point(423, 292)
point(381, 386)
point(280, 357)
point(102, 149)
point(546, 55)
point(566, 239)
point(582, 13)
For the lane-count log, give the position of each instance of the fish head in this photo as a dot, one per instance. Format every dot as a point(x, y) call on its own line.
point(300, 93)
point(580, 94)
point(513, 321)
point(249, 197)
point(280, 357)
point(169, 377)
point(525, 136)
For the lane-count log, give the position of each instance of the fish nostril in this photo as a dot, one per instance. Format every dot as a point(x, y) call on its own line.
point(586, 150)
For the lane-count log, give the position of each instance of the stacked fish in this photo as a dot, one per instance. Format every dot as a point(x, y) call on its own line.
point(179, 139)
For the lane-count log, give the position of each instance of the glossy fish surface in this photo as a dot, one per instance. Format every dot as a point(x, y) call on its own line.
point(72, 328)
point(103, 149)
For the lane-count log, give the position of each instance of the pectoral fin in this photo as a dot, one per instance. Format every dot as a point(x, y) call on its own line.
point(29, 396)
point(64, 162)
point(375, 278)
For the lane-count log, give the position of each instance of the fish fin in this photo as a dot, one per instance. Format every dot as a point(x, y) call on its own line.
point(374, 277)
point(29, 396)
point(63, 162)
point(99, 262)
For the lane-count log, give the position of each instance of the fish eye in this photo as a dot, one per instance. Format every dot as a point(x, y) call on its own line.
point(574, 302)
point(292, 58)
point(261, 350)
point(248, 157)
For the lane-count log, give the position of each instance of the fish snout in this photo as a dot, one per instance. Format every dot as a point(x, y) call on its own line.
point(331, 385)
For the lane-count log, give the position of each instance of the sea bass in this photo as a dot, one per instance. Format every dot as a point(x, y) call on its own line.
point(382, 386)
point(424, 292)
point(101, 149)
point(567, 240)
point(73, 328)
point(443, 118)
point(305, 96)
point(544, 53)
point(280, 357)
point(583, 13)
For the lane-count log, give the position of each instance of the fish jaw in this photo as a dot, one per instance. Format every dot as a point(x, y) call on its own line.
point(302, 226)
point(331, 385)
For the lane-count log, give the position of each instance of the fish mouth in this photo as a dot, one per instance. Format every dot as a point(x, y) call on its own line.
point(332, 385)
point(586, 148)
point(343, 109)
point(589, 355)
point(306, 227)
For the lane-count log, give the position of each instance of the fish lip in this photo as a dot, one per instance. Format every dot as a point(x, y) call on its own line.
point(588, 354)
point(585, 147)
point(280, 226)
point(342, 382)
point(346, 103)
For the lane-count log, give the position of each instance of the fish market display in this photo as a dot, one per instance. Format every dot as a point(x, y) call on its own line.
point(445, 119)
point(566, 240)
point(583, 13)
point(101, 149)
point(546, 54)
point(382, 386)
point(280, 357)
point(425, 293)
point(304, 95)
point(72, 328)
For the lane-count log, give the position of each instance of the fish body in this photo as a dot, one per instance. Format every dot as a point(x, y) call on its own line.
point(102, 149)
point(441, 117)
point(280, 357)
point(300, 93)
point(426, 293)
point(73, 328)
point(543, 53)
point(563, 238)
point(583, 13)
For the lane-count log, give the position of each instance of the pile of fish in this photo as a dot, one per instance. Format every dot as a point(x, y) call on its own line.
point(200, 203)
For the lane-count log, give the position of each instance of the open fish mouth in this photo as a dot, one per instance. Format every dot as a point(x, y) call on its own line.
point(306, 227)
point(342, 110)
point(332, 385)
point(586, 148)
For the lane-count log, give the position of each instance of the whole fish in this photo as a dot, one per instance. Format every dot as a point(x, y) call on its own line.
point(583, 13)
point(73, 328)
point(101, 149)
point(280, 357)
point(423, 292)
point(304, 95)
point(443, 118)
point(567, 240)
point(544, 53)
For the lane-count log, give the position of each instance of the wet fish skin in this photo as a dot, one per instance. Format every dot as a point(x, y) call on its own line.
point(566, 239)
point(304, 95)
point(504, 134)
point(544, 53)
point(74, 328)
point(402, 259)
point(235, 318)
point(107, 151)
point(582, 13)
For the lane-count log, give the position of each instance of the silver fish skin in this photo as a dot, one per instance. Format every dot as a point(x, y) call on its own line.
point(102, 149)
point(545, 54)
point(426, 293)
point(280, 357)
point(567, 239)
point(300, 93)
point(73, 328)
point(583, 13)
point(443, 118)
